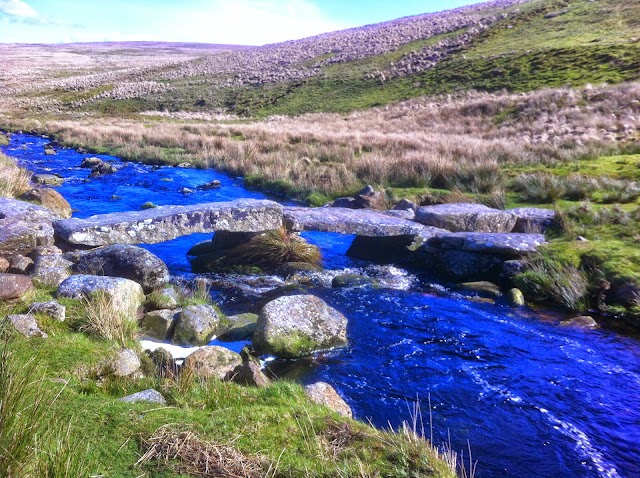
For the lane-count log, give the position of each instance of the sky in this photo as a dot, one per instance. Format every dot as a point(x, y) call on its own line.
point(239, 22)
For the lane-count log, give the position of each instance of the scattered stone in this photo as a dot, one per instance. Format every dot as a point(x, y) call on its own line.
point(166, 298)
point(583, 321)
point(14, 286)
point(351, 280)
point(466, 217)
point(91, 162)
point(52, 309)
point(102, 168)
point(516, 297)
point(248, 374)
point(184, 165)
point(148, 205)
point(126, 296)
point(125, 363)
point(196, 325)
point(215, 184)
point(50, 199)
point(296, 326)
point(159, 324)
point(47, 179)
point(212, 362)
point(26, 324)
point(149, 395)
point(532, 220)
point(241, 327)
point(23, 227)
point(324, 394)
point(20, 265)
point(49, 151)
point(129, 262)
point(186, 190)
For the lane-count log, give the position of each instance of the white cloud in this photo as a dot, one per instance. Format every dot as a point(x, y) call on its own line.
point(17, 8)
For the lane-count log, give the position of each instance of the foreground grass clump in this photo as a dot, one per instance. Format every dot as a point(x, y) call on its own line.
point(13, 180)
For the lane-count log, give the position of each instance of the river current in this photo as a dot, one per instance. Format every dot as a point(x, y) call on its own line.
point(530, 397)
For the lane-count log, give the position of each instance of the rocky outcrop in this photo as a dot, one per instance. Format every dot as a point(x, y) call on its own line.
point(23, 227)
point(49, 199)
point(212, 362)
point(324, 394)
point(168, 222)
point(463, 217)
point(129, 262)
point(348, 221)
point(196, 325)
point(14, 286)
point(296, 326)
point(126, 297)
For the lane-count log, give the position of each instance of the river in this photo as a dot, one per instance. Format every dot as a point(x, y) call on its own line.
point(531, 398)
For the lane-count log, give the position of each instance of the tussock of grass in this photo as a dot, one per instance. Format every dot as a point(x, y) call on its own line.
point(13, 180)
point(103, 319)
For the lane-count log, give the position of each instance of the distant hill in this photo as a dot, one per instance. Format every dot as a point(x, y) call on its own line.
point(515, 45)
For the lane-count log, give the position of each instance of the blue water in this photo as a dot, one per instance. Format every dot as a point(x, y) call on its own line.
point(533, 399)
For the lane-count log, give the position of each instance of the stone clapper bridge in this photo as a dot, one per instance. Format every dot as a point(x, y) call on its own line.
point(380, 236)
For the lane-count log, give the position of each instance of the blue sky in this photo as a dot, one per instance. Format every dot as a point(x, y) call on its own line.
point(246, 22)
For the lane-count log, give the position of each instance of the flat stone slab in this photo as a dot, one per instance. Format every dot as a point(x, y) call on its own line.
point(164, 223)
point(361, 222)
point(503, 244)
point(464, 217)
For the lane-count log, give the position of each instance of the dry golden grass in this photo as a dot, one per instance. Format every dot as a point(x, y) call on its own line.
point(13, 180)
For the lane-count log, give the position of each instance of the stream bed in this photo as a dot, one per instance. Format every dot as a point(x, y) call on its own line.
point(531, 398)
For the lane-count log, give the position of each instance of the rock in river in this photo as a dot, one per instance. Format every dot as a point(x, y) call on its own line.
point(196, 325)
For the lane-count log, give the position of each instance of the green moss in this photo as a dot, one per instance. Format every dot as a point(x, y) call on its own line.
point(293, 344)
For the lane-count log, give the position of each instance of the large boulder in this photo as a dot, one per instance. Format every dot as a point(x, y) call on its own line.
point(296, 326)
point(126, 296)
point(14, 286)
point(212, 362)
point(464, 217)
point(324, 394)
point(129, 262)
point(50, 199)
point(23, 227)
point(196, 325)
point(159, 323)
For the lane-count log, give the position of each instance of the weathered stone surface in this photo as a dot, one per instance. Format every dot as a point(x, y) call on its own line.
point(13, 286)
point(503, 244)
point(166, 298)
point(47, 179)
point(583, 321)
point(130, 262)
point(408, 214)
point(324, 394)
point(26, 324)
point(51, 270)
point(49, 199)
point(149, 395)
point(533, 220)
point(4, 264)
point(212, 362)
point(90, 162)
point(126, 296)
point(168, 222)
point(196, 325)
point(348, 221)
point(23, 227)
point(248, 374)
point(159, 324)
point(20, 265)
point(52, 309)
point(464, 217)
point(125, 363)
point(296, 326)
point(241, 327)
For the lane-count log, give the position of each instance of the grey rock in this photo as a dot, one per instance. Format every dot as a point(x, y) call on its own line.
point(483, 287)
point(168, 222)
point(212, 362)
point(47, 179)
point(583, 321)
point(296, 326)
point(52, 309)
point(408, 214)
point(350, 280)
point(347, 202)
point(348, 221)
point(102, 168)
point(324, 394)
point(166, 298)
point(512, 245)
point(23, 227)
point(91, 162)
point(14, 286)
point(196, 325)
point(26, 324)
point(368, 190)
point(51, 270)
point(405, 205)
point(125, 363)
point(215, 184)
point(241, 327)
point(149, 395)
point(130, 262)
point(248, 374)
point(126, 296)
point(20, 265)
point(464, 217)
point(49, 199)
point(159, 323)
point(186, 190)
point(533, 220)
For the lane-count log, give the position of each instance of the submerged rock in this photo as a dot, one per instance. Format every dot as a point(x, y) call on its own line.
point(296, 326)
point(324, 394)
point(516, 297)
point(583, 321)
point(47, 179)
point(351, 280)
